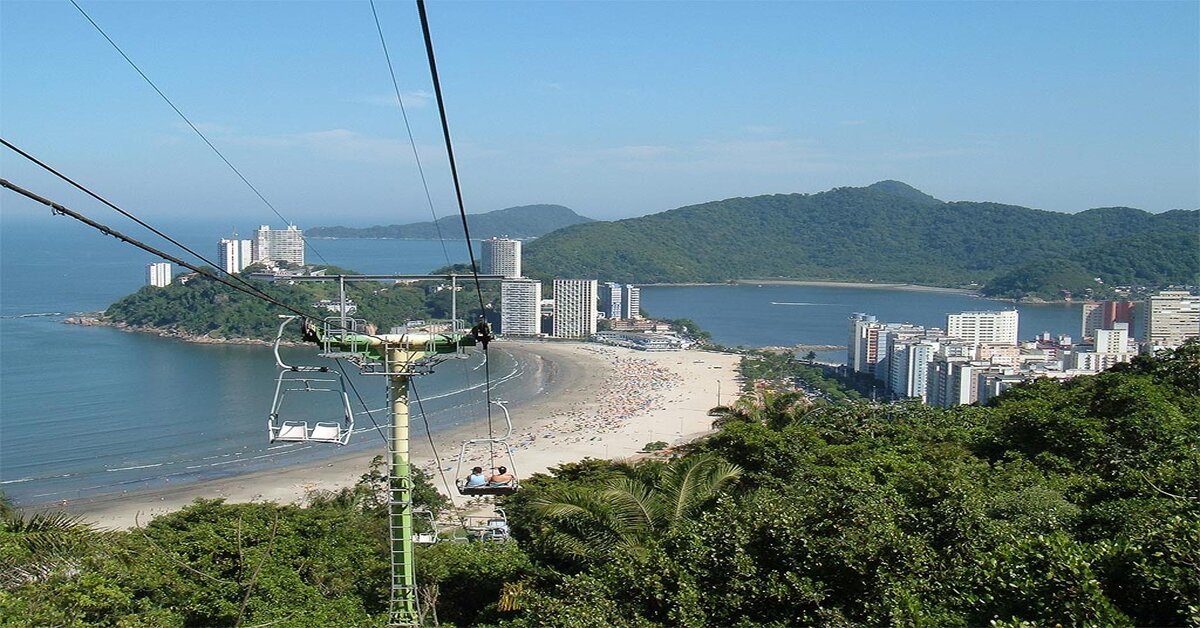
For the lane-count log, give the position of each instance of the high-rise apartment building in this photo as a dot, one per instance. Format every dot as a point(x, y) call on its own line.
point(502, 256)
point(158, 274)
point(908, 372)
point(632, 307)
point(234, 255)
point(612, 300)
point(574, 308)
point(1115, 340)
point(1169, 318)
point(279, 245)
point(520, 311)
point(1103, 314)
point(620, 301)
point(863, 346)
point(984, 327)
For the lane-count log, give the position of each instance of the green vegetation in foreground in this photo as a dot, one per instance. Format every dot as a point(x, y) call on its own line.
point(528, 221)
point(203, 307)
point(887, 232)
point(1064, 503)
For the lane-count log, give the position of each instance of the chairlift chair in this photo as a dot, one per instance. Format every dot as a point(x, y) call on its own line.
point(508, 488)
point(426, 538)
point(294, 380)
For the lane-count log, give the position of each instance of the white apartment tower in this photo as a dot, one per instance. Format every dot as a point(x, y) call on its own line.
point(574, 308)
point(612, 300)
point(502, 256)
point(1169, 318)
point(234, 255)
point(158, 274)
point(632, 307)
point(520, 311)
point(984, 327)
point(279, 245)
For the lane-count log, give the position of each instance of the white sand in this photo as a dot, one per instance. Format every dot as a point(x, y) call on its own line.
point(599, 402)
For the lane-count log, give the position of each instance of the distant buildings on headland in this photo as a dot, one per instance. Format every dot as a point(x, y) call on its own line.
point(269, 247)
point(979, 356)
point(576, 309)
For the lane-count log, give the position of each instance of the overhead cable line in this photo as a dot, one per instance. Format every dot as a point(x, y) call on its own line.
point(429, 434)
point(127, 214)
point(437, 90)
point(370, 414)
point(60, 209)
point(411, 140)
point(462, 210)
point(189, 122)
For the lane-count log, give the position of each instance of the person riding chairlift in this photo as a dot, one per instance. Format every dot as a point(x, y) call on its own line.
point(477, 478)
point(503, 478)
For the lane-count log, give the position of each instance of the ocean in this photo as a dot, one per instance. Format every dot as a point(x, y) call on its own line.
point(87, 411)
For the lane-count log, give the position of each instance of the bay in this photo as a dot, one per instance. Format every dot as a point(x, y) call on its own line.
point(91, 411)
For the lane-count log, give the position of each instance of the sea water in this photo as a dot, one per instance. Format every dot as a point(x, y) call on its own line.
point(86, 411)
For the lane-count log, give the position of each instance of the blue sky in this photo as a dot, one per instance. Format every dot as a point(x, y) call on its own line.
point(614, 109)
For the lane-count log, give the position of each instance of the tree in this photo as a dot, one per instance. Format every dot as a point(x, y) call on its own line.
point(628, 514)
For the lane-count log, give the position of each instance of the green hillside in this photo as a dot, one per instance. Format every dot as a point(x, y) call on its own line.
point(887, 232)
point(528, 221)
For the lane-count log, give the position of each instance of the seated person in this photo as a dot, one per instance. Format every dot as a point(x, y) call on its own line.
point(476, 478)
point(503, 478)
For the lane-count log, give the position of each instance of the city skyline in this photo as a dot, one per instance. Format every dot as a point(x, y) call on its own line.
point(612, 109)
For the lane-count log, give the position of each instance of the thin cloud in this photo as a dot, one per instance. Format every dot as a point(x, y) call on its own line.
point(417, 99)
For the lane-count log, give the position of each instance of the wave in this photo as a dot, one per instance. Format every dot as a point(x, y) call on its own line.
point(33, 315)
point(140, 466)
point(796, 303)
point(17, 481)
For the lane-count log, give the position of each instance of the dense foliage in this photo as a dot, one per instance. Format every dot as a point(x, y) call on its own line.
point(886, 232)
point(204, 307)
point(528, 221)
point(1062, 503)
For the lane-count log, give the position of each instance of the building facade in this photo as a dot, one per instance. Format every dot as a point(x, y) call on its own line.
point(235, 255)
point(502, 256)
point(1104, 314)
point(520, 307)
point(612, 300)
point(632, 307)
point(574, 308)
point(158, 274)
point(984, 327)
point(279, 245)
point(1169, 318)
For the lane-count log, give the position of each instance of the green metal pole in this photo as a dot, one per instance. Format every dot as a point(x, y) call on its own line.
point(403, 611)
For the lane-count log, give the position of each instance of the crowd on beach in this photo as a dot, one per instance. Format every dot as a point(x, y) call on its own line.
point(633, 387)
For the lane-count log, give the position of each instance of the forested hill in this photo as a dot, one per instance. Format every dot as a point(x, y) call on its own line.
point(527, 221)
point(887, 232)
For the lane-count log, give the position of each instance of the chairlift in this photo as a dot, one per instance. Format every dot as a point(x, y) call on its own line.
point(294, 380)
point(490, 488)
point(425, 538)
point(493, 528)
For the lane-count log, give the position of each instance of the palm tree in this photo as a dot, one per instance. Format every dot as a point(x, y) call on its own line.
point(40, 545)
point(628, 514)
point(774, 408)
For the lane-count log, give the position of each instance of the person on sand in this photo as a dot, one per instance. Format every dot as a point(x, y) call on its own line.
point(503, 478)
point(476, 478)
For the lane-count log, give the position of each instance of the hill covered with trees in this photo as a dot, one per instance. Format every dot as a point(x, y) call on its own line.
point(1061, 503)
point(885, 232)
point(205, 307)
point(527, 221)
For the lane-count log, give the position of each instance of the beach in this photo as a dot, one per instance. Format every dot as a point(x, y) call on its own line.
point(594, 401)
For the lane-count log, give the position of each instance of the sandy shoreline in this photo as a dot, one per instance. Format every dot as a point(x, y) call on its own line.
point(855, 284)
point(597, 401)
